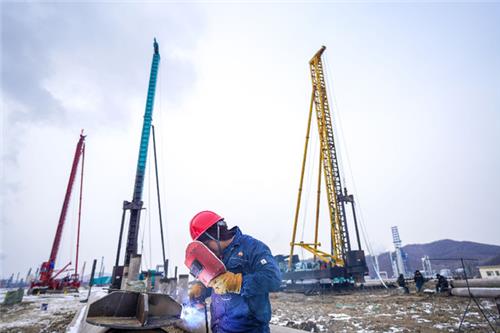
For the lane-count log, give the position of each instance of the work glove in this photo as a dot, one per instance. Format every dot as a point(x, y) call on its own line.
point(196, 291)
point(227, 283)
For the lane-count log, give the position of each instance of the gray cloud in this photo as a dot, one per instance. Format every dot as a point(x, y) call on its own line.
point(95, 41)
point(25, 64)
point(76, 65)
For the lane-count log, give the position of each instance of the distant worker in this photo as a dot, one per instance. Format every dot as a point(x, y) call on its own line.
point(419, 280)
point(441, 284)
point(402, 283)
point(240, 297)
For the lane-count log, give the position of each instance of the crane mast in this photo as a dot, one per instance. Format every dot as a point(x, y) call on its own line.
point(149, 311)
point(340, 237)
point(47, 281)
point(48, 266)
point(136, 205)
point(341, 256)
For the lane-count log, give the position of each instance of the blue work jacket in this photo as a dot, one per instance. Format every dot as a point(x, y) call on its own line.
point(249, 311)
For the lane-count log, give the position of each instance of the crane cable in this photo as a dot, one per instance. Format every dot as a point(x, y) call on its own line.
point(162, 160)
point(150, 259)
point(74, 210)
point(308, 183)
point(144, 264)
point(70, 229)
point(364, 233)
point(68, 235)
point(142, 244)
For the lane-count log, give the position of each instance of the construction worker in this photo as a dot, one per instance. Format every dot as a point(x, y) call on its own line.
point(402, 283)
point(419, 280)
point(441, 284)
point(240, 297)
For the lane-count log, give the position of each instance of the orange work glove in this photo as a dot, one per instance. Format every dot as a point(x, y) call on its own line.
point(227, 283)
point(196, 291)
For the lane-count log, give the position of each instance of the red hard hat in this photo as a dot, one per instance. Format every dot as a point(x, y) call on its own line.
point(201, 222)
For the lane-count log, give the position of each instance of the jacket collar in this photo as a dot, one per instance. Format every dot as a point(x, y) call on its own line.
point(236, 241)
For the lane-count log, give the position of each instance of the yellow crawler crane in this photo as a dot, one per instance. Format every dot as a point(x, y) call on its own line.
point(348, 263)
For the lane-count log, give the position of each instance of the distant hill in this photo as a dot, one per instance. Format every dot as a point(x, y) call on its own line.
point(441, 249)
point(493, 261)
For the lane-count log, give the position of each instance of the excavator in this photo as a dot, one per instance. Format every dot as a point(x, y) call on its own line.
point(47, 282)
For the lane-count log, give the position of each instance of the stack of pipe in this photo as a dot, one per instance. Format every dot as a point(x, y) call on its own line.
point(485, 288)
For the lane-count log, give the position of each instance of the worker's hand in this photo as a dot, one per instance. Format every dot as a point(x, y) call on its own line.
point(196, 291)
point(227, 283)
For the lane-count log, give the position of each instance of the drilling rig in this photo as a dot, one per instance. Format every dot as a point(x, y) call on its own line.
point(341, 261)
point(125, 310)
point(47, 281)
point(135, 206)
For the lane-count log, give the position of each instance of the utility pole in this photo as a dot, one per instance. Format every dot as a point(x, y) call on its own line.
point(101, 267)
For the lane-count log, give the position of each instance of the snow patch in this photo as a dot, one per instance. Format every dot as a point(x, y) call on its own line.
point(339, 316)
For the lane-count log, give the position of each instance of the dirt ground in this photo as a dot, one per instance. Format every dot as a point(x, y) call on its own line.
point(29, 317)
point(379, 311)
point(366, 311)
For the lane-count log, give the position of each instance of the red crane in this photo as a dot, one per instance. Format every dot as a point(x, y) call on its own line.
point(47, 280)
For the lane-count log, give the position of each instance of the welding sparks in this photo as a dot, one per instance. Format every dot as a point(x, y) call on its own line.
point(193, 316)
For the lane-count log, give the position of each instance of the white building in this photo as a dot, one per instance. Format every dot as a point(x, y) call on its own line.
point(490, 272)
point(446, 272)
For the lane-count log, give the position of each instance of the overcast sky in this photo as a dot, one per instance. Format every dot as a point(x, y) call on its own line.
point(414, 88)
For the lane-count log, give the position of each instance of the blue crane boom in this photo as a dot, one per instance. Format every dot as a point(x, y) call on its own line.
point(136, 205)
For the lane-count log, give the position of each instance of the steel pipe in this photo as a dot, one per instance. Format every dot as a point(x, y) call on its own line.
point(474, 283)
point(477, 292)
